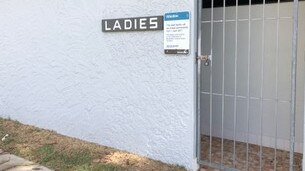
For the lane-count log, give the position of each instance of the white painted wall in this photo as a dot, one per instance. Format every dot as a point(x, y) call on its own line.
point(285, 45)
point(59, 71)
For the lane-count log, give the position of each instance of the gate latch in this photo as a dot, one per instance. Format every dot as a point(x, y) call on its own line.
point(205, 58)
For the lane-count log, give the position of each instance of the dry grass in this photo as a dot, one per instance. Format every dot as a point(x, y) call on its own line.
point(64, 153)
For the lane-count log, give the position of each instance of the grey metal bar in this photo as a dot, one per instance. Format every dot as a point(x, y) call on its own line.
point(248, 84)
point(303, 162)
point(262, 88)
point(252, 19)
point(293, 82)
point(235, 83)
point(198, 78)
point(223, 77)
point(245, 97)
point(276, 83)
point(211, 81)
point(198, 109)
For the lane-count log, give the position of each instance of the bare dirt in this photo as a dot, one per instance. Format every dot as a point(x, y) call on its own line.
point(268, 156)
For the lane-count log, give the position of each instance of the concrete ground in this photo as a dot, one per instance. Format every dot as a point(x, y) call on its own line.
point(9, 162)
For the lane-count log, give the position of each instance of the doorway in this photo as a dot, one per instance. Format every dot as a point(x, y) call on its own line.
point(251, 84)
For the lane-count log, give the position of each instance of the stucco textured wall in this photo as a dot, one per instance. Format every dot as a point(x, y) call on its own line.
point(59, 71)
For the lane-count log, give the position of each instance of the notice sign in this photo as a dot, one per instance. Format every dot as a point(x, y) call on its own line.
point(177, 33)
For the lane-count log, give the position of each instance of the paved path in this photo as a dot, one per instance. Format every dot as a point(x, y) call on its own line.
point(9, 162)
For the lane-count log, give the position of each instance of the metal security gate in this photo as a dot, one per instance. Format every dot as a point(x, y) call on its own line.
point(250, 98)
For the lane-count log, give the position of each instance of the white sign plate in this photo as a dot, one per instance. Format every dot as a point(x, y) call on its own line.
point(177, 33)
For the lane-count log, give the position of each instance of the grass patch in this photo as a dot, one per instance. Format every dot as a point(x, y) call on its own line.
point(64, 153)
point(48, 155)
point(99, 167)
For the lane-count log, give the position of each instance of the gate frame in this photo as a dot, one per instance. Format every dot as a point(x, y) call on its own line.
point(198, 6)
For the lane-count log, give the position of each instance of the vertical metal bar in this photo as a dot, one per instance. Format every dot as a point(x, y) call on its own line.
point(211, 80)
point(198, 146)
point(303, 165)
point(262, 88)
point(293, 82)
point(223, 76)
point(198, 109)
point(235, 83)
point(248, 84)
point(276, 83)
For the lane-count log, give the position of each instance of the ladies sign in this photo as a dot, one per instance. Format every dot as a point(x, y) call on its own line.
point(133, 24)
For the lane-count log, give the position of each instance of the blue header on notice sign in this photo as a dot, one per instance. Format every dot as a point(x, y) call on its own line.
point(177, 16)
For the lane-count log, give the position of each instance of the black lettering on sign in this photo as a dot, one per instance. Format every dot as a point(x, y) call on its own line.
point(133, 24)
